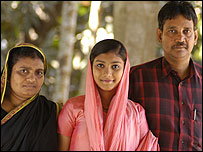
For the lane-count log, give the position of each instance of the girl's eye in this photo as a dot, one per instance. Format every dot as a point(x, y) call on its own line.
point(116, 67)
point(100, 65)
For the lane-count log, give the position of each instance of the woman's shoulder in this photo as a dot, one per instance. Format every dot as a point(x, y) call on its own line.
point(44, 100)
point(46, 105)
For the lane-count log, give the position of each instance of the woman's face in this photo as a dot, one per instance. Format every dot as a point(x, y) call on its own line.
point(107, 70)
point(27, 77)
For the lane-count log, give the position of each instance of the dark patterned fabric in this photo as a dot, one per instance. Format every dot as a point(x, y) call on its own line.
point(173, 107)
point(33, 128)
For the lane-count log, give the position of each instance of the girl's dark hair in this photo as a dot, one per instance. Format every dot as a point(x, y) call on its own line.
point(173, 8)
point(106, 46)
point(21, 52)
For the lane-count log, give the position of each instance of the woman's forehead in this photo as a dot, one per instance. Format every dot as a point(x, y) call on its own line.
point(30, 62)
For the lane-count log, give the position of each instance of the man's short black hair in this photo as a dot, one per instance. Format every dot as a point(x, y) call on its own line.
point(173, 8)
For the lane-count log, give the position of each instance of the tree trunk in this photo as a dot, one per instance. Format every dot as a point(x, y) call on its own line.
point(93, 26)
point(66, 47)
point(135, 24)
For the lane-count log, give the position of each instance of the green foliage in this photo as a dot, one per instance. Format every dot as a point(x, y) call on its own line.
point(197, 51)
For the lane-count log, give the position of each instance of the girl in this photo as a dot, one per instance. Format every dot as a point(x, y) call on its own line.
point(104, 119)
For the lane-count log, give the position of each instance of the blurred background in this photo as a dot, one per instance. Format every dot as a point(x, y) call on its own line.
point(67, 30)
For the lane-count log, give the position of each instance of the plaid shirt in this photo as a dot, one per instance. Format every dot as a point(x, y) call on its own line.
point(173, 107)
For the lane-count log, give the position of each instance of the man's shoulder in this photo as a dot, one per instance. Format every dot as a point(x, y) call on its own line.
point(198, 68)
point(147, 65)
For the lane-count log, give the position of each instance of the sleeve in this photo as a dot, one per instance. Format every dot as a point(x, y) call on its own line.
point(148, 142)
point(66, 120)
point(142, 122)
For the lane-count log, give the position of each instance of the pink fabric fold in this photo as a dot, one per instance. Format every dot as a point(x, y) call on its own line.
point(120, 131)
point(148, 143)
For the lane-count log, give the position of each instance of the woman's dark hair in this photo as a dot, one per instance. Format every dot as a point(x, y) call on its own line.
point(21, 52)
point(106, 46)
point(173, 8)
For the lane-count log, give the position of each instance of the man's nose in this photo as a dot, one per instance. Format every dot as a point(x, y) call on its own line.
point(180, 37)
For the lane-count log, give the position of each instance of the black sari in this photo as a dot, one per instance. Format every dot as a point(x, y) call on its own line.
point(33, 128)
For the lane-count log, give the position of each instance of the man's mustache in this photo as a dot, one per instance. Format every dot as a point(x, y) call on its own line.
point(180, 44)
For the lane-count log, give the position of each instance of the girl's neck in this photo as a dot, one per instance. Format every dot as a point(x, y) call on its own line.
point(106, 97)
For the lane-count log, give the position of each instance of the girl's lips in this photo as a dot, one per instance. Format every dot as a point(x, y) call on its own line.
point(107, 81)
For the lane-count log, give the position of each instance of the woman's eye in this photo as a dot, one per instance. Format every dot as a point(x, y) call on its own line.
point(40, 73)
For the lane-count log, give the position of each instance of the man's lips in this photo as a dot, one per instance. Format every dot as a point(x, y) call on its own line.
point(180, 46)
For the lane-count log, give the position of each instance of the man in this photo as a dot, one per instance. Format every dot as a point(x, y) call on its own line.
point(170, 87)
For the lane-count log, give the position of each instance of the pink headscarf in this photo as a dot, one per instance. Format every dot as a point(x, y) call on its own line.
point(112, 136)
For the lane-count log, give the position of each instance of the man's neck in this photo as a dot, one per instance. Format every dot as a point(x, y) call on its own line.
point(181, 67)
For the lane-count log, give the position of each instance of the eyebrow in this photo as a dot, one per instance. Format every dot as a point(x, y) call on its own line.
point(173, 27)
point(104, 61)
point(24, 67)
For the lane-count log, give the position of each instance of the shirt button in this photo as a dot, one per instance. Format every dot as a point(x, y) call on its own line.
point(181, 83)
point(182, 142)
point(182, 102)
point(183, 122)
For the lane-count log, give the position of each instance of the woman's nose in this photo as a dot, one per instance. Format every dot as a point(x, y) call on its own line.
point(31, 77)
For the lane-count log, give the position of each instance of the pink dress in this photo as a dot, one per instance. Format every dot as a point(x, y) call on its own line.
point(123, 128)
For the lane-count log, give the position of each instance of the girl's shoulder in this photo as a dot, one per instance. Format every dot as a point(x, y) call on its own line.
point(135, 107)
point(75, 103)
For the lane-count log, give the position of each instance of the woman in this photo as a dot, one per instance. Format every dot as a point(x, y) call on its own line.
point(105, 119)
point(28, 120)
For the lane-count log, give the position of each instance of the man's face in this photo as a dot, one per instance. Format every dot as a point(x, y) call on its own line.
point(177, 38)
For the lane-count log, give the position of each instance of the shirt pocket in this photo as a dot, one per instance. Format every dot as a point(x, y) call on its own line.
point(196, 132)
point(197, 120)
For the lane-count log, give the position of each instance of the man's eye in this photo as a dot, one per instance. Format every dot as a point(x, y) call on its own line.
point(172, 31)
point(187, 31)
point(23, 71)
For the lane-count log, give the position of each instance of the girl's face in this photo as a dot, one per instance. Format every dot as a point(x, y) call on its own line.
point(27, 77)
point(107, 70)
